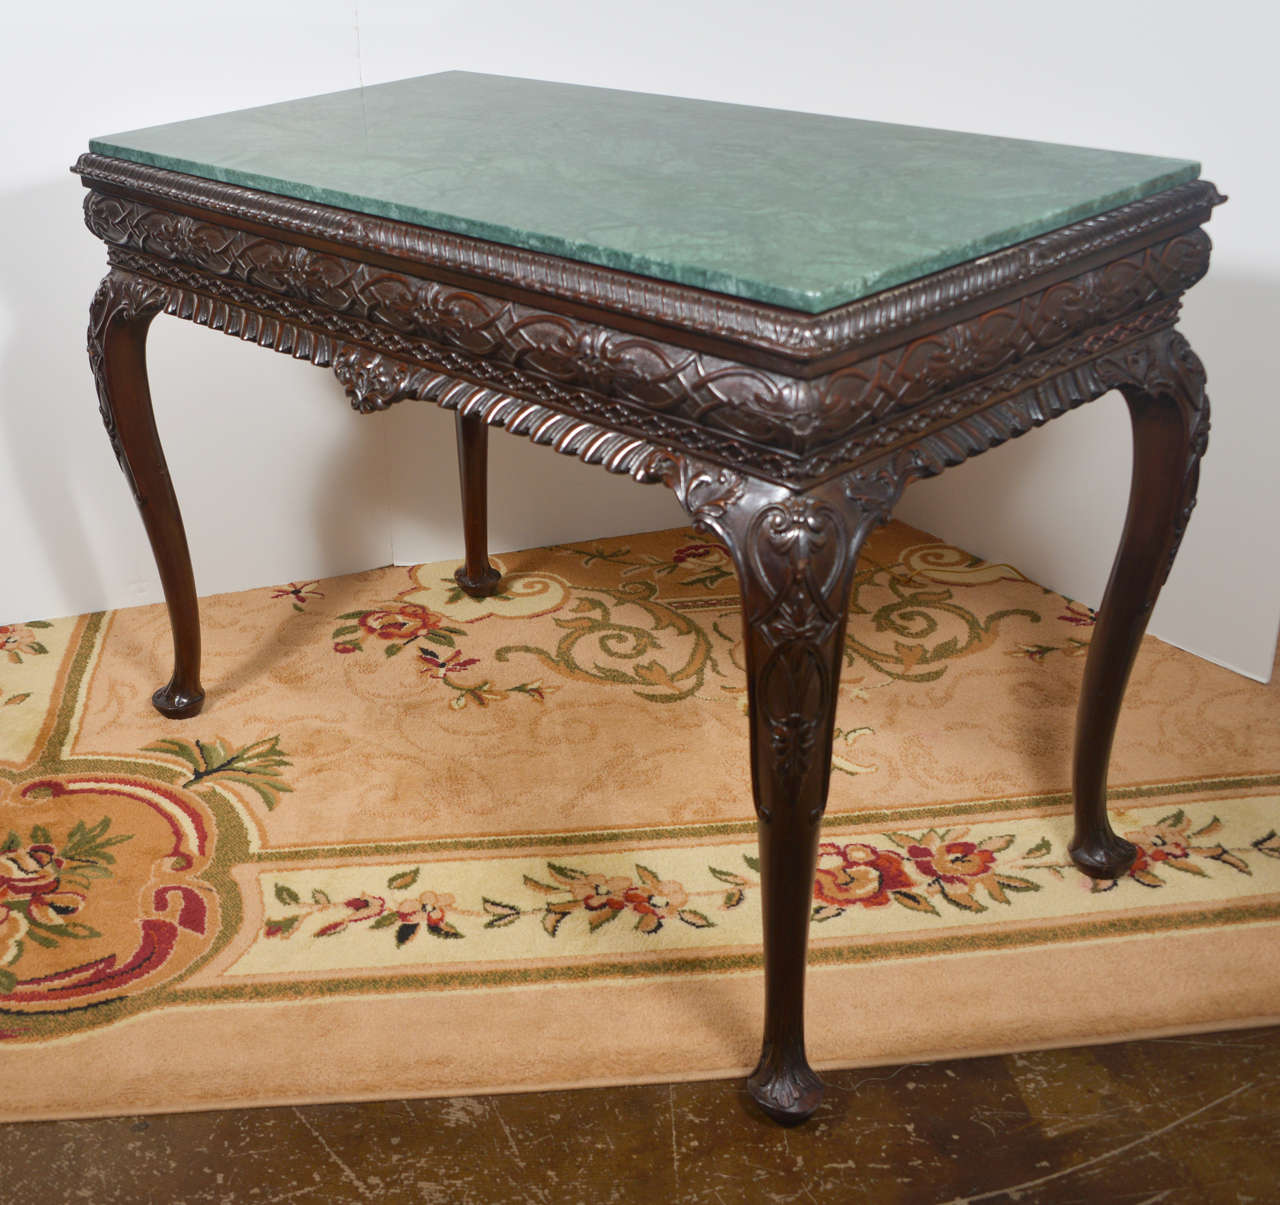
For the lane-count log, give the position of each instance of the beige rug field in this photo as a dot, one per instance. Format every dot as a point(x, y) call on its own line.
point(418, 844)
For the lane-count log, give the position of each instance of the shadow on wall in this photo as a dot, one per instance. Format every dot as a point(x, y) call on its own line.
point(1053, 501)
point(536, 495)
point(44, 391)
point(246, 440)
point(406, 461)
point(278, 478)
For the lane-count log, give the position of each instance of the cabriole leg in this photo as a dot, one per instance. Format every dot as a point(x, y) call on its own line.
point(795, 555)
point(477, 577)
point(122, 310)
point(1163, 383)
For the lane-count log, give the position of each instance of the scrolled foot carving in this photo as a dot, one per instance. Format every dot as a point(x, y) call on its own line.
point(786, 1088)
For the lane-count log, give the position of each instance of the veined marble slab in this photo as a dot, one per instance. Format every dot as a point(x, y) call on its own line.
point(794, 209)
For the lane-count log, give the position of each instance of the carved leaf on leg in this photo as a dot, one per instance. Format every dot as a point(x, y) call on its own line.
point(1165, 367)
point(120, 297)
point(795, 554)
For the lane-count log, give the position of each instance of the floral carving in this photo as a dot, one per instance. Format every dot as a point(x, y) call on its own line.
point(795, 554)
point(374, 381)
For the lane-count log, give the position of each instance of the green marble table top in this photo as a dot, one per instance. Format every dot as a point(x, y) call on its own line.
point(795, 209)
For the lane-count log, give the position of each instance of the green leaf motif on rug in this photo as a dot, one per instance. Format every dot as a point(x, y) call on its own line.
point(646, 897)
point(934, 873)
point(18, 640)
point(256, 766)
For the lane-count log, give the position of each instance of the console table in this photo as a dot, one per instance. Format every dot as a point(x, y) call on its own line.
point(785, 318)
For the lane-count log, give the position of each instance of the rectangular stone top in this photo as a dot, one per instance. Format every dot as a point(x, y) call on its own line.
point(793, 209)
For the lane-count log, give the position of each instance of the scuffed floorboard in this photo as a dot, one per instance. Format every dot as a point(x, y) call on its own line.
point(1173, 1121)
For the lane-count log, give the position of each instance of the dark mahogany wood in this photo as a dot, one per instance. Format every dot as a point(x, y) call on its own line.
point(1163, 384)
point(795, 555)
point(120, 316)
point(790, 435)
point(476, 576)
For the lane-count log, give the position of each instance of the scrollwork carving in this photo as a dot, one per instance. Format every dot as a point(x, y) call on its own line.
point(375, 382)
point(763, 327)
point(120, 298)
point(1166, 370)
point(308, 332)
point(647, 376)
point(940, 433)
point(795, 552)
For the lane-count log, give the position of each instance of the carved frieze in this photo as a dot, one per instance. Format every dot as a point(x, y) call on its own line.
point(966, 418)
point(747, 403)
point(374, 382)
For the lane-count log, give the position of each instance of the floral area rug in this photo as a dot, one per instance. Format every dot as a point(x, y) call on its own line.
point(418, 844)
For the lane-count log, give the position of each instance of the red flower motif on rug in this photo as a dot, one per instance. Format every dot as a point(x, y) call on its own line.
point(858, 874)
point(99, 837)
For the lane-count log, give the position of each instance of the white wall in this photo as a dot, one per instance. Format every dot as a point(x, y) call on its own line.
point(279, 481)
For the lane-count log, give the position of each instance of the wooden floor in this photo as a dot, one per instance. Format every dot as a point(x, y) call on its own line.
point(1174, 1121)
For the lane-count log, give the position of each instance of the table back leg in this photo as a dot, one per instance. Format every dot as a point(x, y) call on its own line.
point(120, 315)
point(795, 554)
point(1163, 383)
point(476, 576)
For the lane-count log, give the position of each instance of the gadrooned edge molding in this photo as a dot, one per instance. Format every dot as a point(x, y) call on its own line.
point(288, 325)
point(753, 324)
point(374, 380)
point(425, 320)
